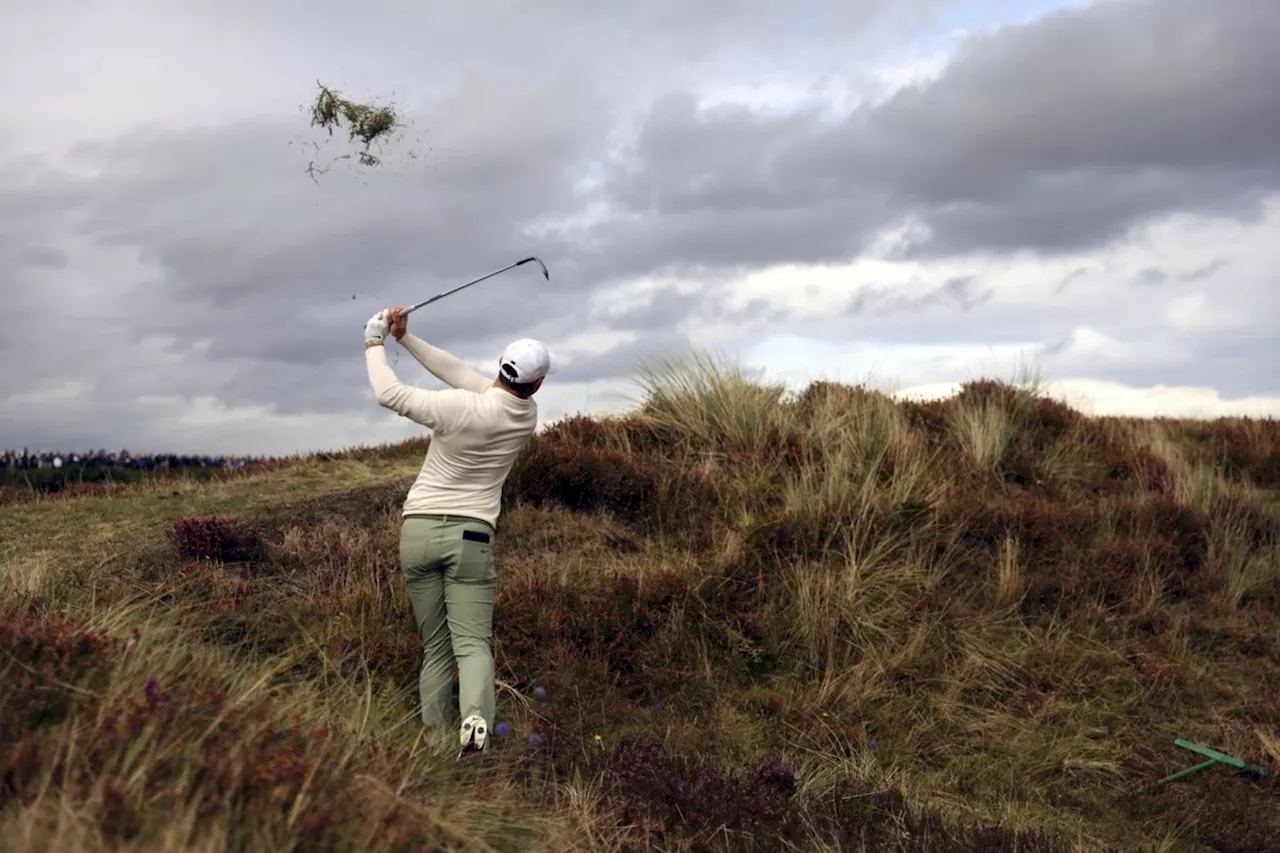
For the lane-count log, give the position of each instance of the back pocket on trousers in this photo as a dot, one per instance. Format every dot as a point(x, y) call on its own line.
point(475, 557)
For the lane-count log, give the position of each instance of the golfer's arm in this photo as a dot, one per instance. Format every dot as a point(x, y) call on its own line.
point(444, 366)
point(432, 409)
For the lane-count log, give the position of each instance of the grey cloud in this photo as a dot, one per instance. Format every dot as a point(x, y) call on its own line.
point(626, 358)
point(335, 386)
point(1070, 277)
point(1059, 136)
point(81, 79)
point(1085, 210)
point(42, 257)
point(1242, 362)
point(1056, 347)
point(757, 310)
point(685, 30)
point(1155, 276)
point(1125, 86)
point(245, 251)
point(962, 293)
point(249, 218)
point(1228, 372)
point(727, 191)
point(251, 267)
point(1206, 270)
point(663, 306)
point(1150, 275)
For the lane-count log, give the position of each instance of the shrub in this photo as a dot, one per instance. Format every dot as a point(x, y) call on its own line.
point(218, 539)
point(672, 796)
point(1048, 533)
point(231, 763)
point(822, 394)
point(545, 625)
point(40, 657)
point(584, 479)
point(1247, 450)
point(1170, 539)
point(360, 507)
point(931, 417)
point(580, 430)
point(650, 494)
point(676, 793)
point(1131, 468)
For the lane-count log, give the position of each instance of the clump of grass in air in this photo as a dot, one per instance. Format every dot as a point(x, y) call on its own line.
point(364, 122)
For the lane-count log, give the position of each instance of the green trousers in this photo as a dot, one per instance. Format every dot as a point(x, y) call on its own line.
point(447, 563)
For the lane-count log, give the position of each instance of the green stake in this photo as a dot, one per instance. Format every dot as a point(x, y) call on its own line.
point(1213, 757)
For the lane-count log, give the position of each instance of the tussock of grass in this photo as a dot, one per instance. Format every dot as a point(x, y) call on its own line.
point(827, 621)
point(985, 430)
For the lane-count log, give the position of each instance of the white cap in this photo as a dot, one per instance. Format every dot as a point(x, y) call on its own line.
point(524, 361)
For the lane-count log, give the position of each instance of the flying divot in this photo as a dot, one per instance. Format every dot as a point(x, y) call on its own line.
point(364, 122)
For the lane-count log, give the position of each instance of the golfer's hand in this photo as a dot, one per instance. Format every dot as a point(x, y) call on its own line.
point(399, 322)
point(375, 331)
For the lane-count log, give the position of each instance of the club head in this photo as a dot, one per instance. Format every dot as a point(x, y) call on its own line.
point(545, 274)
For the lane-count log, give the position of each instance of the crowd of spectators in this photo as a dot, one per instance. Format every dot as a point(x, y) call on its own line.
point(26, 460)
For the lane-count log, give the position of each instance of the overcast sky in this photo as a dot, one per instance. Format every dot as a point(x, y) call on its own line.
point(910, 193)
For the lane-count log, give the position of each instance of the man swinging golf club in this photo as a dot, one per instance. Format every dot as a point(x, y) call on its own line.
point(478, 428)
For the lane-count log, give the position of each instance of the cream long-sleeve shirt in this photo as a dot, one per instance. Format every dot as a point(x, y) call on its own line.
point(477, 431)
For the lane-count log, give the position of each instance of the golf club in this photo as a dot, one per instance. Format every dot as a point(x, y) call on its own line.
point(439, 296)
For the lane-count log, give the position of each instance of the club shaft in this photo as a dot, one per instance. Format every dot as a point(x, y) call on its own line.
point(439, 296)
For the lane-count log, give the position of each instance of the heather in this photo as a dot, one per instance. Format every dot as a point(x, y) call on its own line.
point(732, 619)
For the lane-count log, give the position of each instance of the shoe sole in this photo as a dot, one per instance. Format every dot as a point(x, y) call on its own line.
point(470, 746)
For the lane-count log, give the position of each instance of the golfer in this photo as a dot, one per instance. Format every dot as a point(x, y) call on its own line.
point(478, 428)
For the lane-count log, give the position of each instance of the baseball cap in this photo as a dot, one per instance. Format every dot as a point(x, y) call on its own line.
point(525, 360)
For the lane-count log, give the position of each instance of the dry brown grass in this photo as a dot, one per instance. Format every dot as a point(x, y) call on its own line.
point(990, 610)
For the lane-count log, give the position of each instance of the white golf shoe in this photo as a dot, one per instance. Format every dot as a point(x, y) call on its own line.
point(474, 735)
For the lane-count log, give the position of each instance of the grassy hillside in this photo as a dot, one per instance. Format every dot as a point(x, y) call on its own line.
point(834, 622)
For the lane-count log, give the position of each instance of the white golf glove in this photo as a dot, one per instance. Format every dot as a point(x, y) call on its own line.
point(377, 329)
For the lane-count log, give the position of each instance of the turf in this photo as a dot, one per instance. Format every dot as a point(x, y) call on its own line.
point(761, 622)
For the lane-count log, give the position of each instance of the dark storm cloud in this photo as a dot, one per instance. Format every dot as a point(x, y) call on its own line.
point(249, 260)
point(1014, 147)
point(227, 211)
point(1058, 135)
point(1085, 209)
